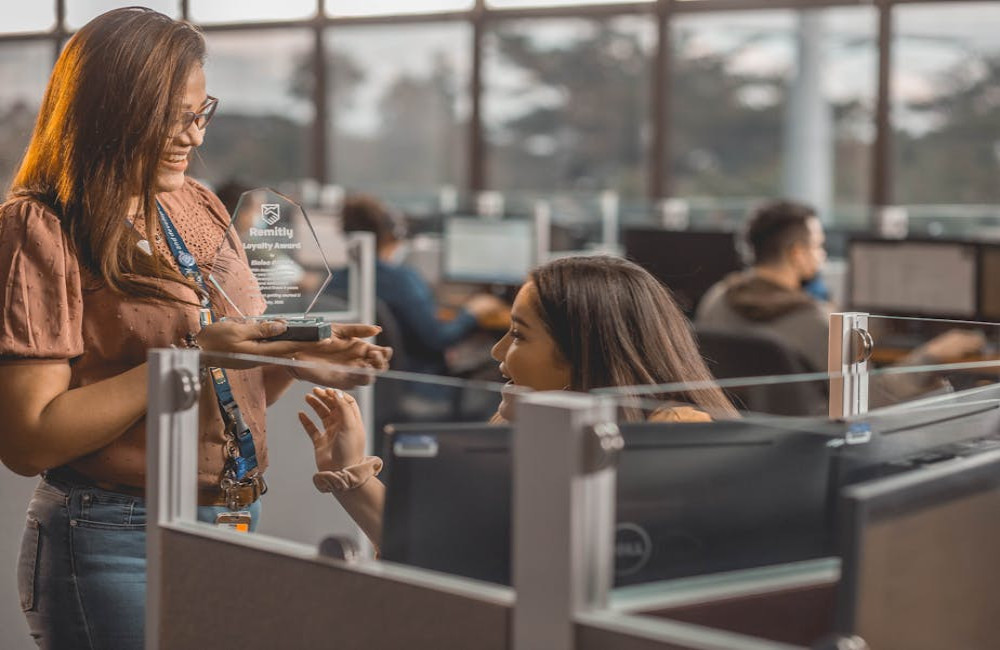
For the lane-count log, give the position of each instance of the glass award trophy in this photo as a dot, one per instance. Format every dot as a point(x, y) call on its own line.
point(271, 265)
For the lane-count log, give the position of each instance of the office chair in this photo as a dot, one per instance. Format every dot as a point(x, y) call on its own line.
point(732, 354)
point(407, 401)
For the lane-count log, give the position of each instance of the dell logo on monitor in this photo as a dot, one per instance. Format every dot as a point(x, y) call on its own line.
point(632, 548)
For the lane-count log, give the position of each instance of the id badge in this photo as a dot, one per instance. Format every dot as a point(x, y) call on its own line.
point(238, 521)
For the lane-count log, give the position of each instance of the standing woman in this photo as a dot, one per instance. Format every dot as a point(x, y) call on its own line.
point(102, 243)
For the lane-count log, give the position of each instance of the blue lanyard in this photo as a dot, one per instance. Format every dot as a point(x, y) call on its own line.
point(238, 466)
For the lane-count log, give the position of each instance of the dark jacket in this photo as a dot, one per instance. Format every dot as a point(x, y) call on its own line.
point(412, 303)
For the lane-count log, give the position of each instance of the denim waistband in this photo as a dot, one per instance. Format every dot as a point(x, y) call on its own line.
point(66, 478)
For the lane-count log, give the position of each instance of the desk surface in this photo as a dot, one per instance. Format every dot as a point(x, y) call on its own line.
point(451, 296)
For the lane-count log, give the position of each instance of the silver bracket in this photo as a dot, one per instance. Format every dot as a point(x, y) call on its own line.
point(849, 349)
point(601, 444)
point(185, 389)
point(340, 548)
point(861, 346)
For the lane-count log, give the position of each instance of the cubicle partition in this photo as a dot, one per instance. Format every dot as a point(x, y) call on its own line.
point(288, 579)
point(646, 517)
point(888, 360)
point(750, 518)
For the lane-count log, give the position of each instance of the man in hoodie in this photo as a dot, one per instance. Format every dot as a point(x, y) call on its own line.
point(787, 240)
point(787, 243)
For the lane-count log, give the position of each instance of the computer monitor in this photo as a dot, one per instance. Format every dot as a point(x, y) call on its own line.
point(920, 565)
point(692, 499)
point(928, 278)
point(688, 262)
point(488, 250)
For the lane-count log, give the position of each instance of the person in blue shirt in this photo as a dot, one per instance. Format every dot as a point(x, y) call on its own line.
point(425, 337)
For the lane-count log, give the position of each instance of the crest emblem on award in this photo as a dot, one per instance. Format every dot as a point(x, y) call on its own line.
point(270, 213)
point(271, 235)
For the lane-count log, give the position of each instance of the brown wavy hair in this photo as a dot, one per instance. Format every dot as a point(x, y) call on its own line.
point(106, 119)
point(616, 325)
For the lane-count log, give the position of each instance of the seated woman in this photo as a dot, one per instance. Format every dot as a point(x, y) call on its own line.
point(406, 293)
point(578, 324)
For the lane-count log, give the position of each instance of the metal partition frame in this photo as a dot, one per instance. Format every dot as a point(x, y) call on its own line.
point(847, 363)
point(297, 577)
point(563, 515)
point(171, 463)
point(564, 485)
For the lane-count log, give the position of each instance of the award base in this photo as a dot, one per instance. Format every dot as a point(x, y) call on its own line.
point(304, 329)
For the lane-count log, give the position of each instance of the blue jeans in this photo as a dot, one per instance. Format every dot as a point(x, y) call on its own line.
point(82, 568)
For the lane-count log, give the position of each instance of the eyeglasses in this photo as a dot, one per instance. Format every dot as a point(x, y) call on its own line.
point(200, 119)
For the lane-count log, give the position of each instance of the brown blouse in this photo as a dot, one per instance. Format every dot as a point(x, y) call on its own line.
point(54, 310)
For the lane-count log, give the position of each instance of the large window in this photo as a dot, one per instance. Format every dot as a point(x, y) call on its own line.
point(758, 102)
point(776, 103)
point(399, 105)
point(79, 12)
point(29, 17)
point(385, 7)
point(566, 104)
point(24, 68)
point(216, 11)
point(946, 112)
point(553, 3)
point(260, 134)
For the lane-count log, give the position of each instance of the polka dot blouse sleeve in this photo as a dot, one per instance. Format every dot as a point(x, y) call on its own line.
point(41, 313)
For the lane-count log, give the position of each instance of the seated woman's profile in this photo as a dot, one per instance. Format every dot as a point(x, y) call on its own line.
point(578, 324)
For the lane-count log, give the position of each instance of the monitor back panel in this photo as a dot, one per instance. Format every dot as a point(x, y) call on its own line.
point(929, 278)
point(687, 262)
point(692, 499)
point(921, 567)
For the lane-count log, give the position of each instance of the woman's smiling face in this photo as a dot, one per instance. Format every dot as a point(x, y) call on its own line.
point(528, 355)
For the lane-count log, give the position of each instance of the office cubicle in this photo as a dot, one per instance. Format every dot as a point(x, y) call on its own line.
point(799, 598)
point(568, 547)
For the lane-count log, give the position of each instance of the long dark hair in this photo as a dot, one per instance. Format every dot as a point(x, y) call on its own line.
point(616, 325)
point(107, 116)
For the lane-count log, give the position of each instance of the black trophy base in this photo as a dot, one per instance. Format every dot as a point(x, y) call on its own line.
point(304, 329)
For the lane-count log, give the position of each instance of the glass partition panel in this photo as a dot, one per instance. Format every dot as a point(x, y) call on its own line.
point(919, 357)
point(711, 498)
point(443, 448)
point(727, 517)
point(899, 341)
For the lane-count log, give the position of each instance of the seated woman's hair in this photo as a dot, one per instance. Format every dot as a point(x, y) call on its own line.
point(365, 213)
point(617, 325)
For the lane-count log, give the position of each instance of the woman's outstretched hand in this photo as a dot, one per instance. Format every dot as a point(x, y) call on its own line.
point(330, 360)
point(345, 349)
point(339, 441)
